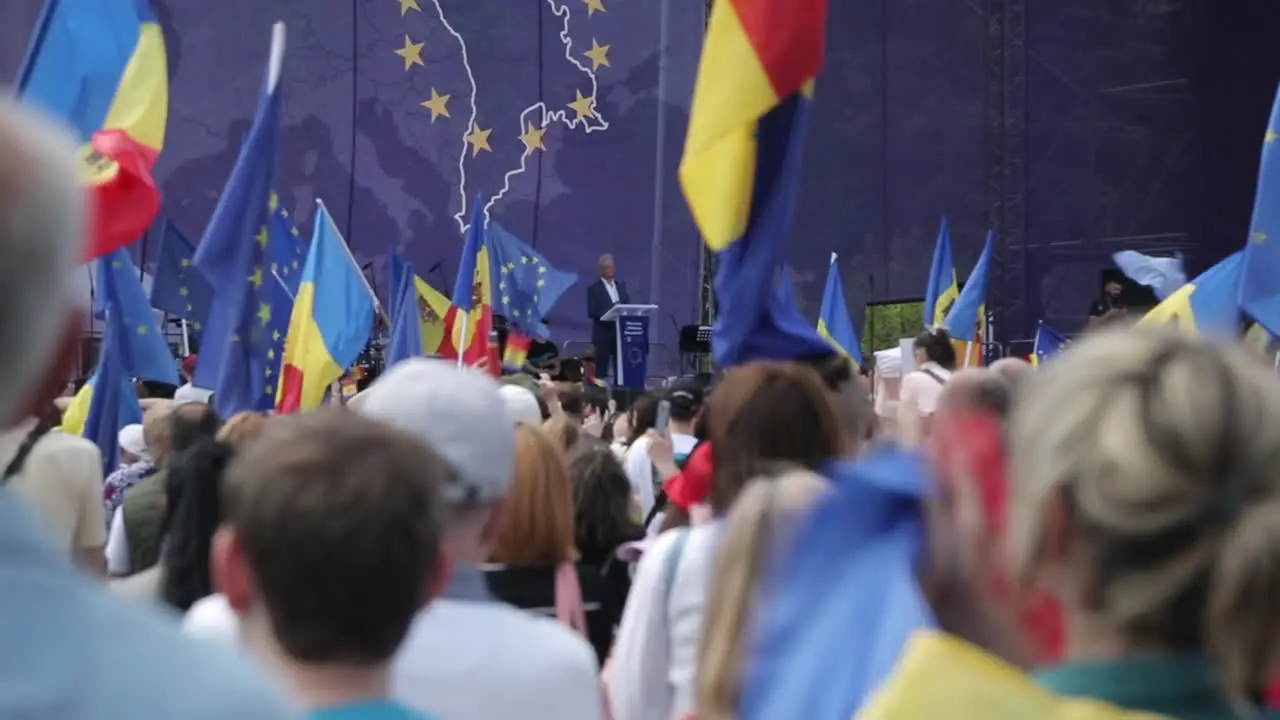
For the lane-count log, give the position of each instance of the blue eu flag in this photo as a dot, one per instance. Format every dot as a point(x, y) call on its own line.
point(178, 288)
point(526, 286)
point(115, 402)
point(143, 351)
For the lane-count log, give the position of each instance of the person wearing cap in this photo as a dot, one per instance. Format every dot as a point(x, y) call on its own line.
point(467, 655)
point(685, 399)
point(84, 654)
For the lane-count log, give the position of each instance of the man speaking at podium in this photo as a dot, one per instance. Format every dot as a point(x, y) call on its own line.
point(602, 295)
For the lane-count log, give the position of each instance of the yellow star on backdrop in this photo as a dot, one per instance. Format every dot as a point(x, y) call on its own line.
point(407, 5)
point(411, 52)
point(532, 138)
point(593, 6)
point(478, 139)
point(582, 106)
point(598, 54)
point(438, 105)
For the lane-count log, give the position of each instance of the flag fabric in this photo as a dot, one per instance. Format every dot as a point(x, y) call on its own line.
point(516, 352)
point(178, 288)
point(1259, 292)
point(834, 322)
point(141, 347)
point(822, 643)
point(287, 249)
point(1163, 275)
point(944, 288)
point(473, 299)
point(77, 413)
point(114, 402)
point(331, 321)
point(100, 65)
point(241, 331)
point(1207, 304)
point(406, 326)
point(741, 165)
point(527, 286)
point(1048, 342)
point(437, 320)
point(963, 319)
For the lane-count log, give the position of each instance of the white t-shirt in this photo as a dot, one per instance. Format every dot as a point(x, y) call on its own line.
point(639, 467)
point(919, 399)
point(61, 480)
point(651, 671)
point(468, 660)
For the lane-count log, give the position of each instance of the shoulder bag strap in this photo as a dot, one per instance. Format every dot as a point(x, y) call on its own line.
point(24, 450)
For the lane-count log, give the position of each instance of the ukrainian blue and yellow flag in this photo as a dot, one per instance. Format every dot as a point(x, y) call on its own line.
point(1259, 292)
point(1048, 342)
point(1207, 304)
point(944, 288)
point(331, 321)
point(834, 322)
point(965, 319)
point(100, 66)
point(741, 165)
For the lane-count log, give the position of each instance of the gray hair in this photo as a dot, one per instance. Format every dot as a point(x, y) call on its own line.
point(605, 259)
point(42, 229)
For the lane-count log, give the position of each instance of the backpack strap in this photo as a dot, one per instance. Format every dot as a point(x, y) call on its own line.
point(24, 450)
point(673, 564)
point(936, 377)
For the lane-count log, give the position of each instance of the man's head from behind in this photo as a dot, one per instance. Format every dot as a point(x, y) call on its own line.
point(42, 232)
point(331, 542)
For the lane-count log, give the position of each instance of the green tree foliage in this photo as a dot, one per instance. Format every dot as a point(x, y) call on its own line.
point(888, 323)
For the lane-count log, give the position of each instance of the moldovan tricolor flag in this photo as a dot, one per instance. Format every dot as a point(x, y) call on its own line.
point(331, 321)
point(472, 312)
point(100, 66)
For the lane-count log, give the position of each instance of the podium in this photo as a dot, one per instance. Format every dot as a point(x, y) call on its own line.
point(633, 343)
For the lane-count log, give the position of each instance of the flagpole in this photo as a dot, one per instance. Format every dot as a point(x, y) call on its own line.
point(377, 306)
point(186, 339)
point(466, 318)
point(968, 352)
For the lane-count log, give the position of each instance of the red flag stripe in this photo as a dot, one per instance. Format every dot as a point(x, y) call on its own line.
point(788, 36)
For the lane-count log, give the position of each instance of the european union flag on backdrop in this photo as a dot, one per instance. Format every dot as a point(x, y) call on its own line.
point(115, 402)
point(178, 288)
point(1260, 274)
point(234, 257)
point(962, 320)
point(839, 604)
point(834, 322)
point(1048, 342)
point(1207, 304)
point(144, 354)
point(526, 285)
point(406, 323)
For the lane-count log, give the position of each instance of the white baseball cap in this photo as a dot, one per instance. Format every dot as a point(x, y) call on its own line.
point(522, 405)
point(460, 413)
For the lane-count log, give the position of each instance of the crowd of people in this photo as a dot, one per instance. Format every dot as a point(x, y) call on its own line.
point(453, 547)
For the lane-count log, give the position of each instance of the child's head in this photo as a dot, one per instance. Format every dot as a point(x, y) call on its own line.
point(331, 539)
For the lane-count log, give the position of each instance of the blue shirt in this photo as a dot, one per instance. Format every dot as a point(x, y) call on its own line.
point(371, 710)
point(86, 654)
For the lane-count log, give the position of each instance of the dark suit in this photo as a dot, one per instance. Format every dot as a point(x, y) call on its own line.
point(604, 334)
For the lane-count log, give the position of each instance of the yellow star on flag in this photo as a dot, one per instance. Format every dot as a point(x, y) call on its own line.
point(264, 313)
point(532, 138)
point(598, 54)
point(411, 52)
point(261, 237)
point(478, 139)
point(183, 291)
point(593, 6)
point(438, 105)
point(256, 278)
point(184, 262)
point(407, 5)
point(1259, 236)
point(142, 329)
point(582, 106)
point(1271, 135)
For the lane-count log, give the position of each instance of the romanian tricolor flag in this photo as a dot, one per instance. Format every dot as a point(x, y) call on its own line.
point(472, 312)
point(331, 320)
point(516, 352)
point(741, 167)
point(100, 65)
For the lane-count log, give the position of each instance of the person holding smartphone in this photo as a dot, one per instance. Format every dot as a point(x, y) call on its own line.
point(679, 407)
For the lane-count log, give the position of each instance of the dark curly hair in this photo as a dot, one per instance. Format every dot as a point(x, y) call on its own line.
point(601, 500)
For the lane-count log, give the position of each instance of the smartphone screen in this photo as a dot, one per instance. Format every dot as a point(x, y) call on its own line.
point(664, 416)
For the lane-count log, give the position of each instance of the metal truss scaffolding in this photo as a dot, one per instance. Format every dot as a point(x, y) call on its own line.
point(1006, 163)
